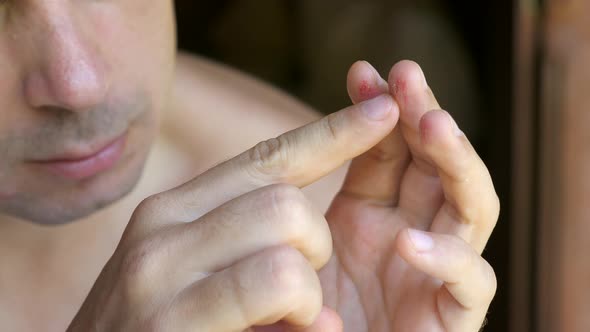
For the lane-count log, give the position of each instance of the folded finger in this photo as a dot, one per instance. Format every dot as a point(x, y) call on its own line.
point(274, 285)
point(298, 157)
point(469, 281)
point(271, 216)
point(446, 257)
point(472, 207)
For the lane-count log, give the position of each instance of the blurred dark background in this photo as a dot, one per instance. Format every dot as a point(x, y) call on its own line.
point(306, 48)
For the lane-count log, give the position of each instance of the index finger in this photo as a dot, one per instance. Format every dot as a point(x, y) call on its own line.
point(298, 157)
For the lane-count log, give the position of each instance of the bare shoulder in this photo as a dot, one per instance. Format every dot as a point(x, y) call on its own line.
point(217, 112)
point(239, 87)
point(230, 107)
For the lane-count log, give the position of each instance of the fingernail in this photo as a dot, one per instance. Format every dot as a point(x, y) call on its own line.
point(377, 108)
point(421, 240)
point(455, 127)
point(424, 82)
point(376, 75)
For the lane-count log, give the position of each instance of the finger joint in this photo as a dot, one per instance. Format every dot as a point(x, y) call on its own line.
point(270, 158)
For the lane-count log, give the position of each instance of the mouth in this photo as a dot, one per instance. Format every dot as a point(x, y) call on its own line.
point(79, 165)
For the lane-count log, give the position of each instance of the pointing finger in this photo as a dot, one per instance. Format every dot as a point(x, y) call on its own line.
point(298, 158)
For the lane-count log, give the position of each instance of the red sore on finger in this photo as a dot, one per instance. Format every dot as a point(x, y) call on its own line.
point(400, 86)
point(366, 91)
point(400, 89)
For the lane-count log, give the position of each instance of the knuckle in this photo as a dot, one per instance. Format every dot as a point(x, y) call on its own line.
point(495, 206)
point(465, 257)
point(289, 273)
point(140, 266)
point(299, 223)
point(271, 157)
point(330, 123)
point(291, 209)
point(490, 282)
point(489, 211)
point(383, 153)
point(458, 212)
point(149, 207)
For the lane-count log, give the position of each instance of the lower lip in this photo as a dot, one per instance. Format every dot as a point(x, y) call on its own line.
point(90, 166)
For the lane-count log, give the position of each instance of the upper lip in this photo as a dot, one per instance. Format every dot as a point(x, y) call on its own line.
point(79, 153)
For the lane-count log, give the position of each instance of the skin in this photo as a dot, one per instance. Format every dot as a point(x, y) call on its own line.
point(238, 246)
point(64, 88)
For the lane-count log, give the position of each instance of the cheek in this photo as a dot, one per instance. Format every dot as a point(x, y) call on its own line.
point(139, 43)
point(12, 119)
point(7, 98)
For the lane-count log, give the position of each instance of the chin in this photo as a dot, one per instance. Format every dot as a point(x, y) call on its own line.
point(73, 203)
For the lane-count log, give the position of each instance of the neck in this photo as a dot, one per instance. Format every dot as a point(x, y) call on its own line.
point(31, 254)
point(46, 272)
point(89, 242)
point(42, 241)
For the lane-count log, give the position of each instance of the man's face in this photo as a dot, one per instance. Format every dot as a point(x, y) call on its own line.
point(81, 85)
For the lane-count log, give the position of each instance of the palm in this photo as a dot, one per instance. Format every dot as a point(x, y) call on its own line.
point(372, 287)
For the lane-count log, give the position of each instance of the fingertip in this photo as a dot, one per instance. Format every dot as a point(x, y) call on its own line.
point(404, 77)
point(328, 320)
point(364, 82)
point(404, 246)
point(357, 67)
point(408, 86)
point(415, 242)
point(435, 126)
point(383, 107)
point(443, 142)
point(355, 71)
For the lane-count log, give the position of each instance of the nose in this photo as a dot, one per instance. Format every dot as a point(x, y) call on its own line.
point(66, 71)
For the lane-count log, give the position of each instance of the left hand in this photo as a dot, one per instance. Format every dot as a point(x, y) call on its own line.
point(411, 220)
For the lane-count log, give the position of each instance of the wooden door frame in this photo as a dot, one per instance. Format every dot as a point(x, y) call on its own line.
point(551, 170)
point(524, 172)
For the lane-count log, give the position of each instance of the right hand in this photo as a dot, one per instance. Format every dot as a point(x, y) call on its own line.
point(238, 246)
